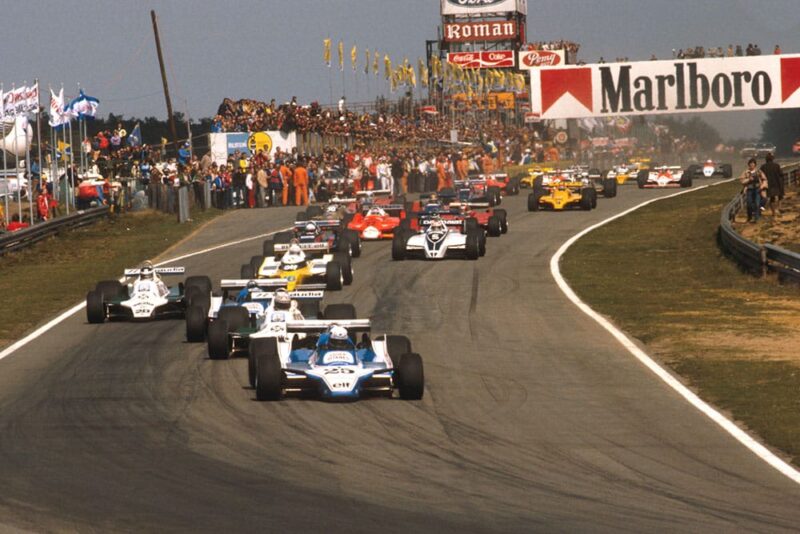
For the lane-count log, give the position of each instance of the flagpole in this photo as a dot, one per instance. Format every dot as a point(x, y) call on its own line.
point(16, 162)
point(72, 164)
point(5, 149)
point(39, 129)
point(67, 167)
point(80, 139)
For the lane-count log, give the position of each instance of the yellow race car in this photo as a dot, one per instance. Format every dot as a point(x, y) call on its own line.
point(560, 190)
point(533, 173)
point(291, 263)
point(629, 171)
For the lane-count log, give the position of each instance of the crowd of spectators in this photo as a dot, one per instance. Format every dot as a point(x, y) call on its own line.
point(696, 52)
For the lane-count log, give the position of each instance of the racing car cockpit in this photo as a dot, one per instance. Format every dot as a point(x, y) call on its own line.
point(334, 347)
point(376, 211)
point(294, 258)
point(311, 228)
point(149, 281)
point(246, 294)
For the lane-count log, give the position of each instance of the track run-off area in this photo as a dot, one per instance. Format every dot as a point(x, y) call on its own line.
point(534, 417)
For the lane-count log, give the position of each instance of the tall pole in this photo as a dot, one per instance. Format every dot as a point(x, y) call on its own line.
point(5, 157)
point(71, 164)
point(16, 162)
point(173, 132)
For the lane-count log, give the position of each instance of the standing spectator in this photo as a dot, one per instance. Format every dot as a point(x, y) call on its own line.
point(300, 180)
point(286, 181)
point(184, 154)
point(342, 106)
point(238, 181)
point(753, 181)
point(275, 186)
point(777, 50)
point(775, 191)
point(730, 50)
point(739, 50)
point(262, 182)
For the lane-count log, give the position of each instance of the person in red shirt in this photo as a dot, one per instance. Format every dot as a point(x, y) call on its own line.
point(15, 224)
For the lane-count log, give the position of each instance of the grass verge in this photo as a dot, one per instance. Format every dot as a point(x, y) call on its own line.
point(56, 273)
point(659, 274)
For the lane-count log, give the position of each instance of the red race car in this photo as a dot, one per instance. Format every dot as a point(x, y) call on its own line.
point(378, 221)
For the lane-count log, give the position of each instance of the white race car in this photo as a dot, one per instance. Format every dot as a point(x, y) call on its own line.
point(709, 169)
point(146, 297)
point(438, 239)
point(664, 176)
point(329, 359)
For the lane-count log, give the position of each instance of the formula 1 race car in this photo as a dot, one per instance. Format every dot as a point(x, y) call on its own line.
point(303, 266)
point(465, 203)
point(440, 238)
point(327, 359)
point(534, 173)
point(318, 229)
point(146, 297)
point(709, 169)
point(562, 190)
point(664, 176)
point(495, 185)
point(624, 172)
point(377, 221)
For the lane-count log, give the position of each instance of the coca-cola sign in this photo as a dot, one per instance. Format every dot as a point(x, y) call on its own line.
point(483, 60)
point(462, 32)
point(533, 59)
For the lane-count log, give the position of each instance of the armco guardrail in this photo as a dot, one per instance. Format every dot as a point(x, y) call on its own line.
point(752, 257)
point(24, 238)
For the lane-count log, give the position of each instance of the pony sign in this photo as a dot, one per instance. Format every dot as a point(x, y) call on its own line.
point(658, 87)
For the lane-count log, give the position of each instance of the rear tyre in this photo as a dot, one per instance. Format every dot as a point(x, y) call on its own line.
point(493, 193)
point(471, 225)
point(641, 178)
point(586, 199)
point(269, 248)
point(195, 324)
point(686, 180)
point(283, 238)
point(347, 267)
point(333, 276)
point(396, 346)
point(301, 216)
point(261, 347)
point(110, 289)
point(341, 312)
point(399, 246)
point(247, 272)
point(255, 263)
point(727, 170)
point(355, 242)
point(482, 243)
point(95, 309)
point(411, 377)
point(533, 201)
point(494, 228)
point(609, 188)
point(472, 247)
point(218, 348)
point(202, 282)
point(501, 214)
point(268, 377)
point(314, 211)
point(309, 308)
point(593, 196)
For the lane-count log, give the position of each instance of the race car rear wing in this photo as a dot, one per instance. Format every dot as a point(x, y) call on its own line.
point(157, 270)
point(470, 204)
point(426, 221)
point(297, 295)
point(321, 325)
point(283, 247)
point(322, 224)
point(374, 193)
point(384, 207)
point(312, 287)
point(262, 283)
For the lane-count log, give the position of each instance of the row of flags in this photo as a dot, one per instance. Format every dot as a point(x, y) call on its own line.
point(450, 75)
point(81, 107)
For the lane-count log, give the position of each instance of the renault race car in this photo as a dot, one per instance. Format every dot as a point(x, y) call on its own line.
point(302, 265)
point(708, 169)
point(561, 190)
point(664, 176)
point(335, 360)
point(145, 297)
point(439, 238)
point(624, 172)
point(534, 173)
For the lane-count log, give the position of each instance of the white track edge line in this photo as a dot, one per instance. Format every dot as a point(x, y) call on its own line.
point(8, 351)
point(729, 426)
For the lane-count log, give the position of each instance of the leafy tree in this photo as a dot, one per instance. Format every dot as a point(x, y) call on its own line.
point(781, 127)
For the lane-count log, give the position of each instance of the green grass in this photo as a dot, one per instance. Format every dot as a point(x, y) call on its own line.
point(660, 275)
point(56, 273)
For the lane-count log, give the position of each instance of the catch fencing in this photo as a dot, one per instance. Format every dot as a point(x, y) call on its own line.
point(23, 238)
point(754, 258)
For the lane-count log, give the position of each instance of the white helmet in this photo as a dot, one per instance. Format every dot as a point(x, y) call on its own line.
point(146, 272)
point(311, 227)
point(338, 332)
point(282, 299)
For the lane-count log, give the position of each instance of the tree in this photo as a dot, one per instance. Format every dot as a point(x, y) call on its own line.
point(782, 128)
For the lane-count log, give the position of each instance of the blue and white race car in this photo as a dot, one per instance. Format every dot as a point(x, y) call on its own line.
point(325, 359)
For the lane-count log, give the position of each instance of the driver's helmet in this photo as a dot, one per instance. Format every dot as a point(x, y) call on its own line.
point(312, 228)
point(433, 198)
point(709, 162)
point(376, 211)
point(294, 256)
point(437, 225)
point(338, 339)
point(252, 285)
point(147, 272)
point(282, 300)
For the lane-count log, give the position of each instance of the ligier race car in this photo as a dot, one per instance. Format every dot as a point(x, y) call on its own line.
point(438, 239)
point(709, 169)
point(664, 176)
point(319, 230)
point(327, 359)
point(562, 190)
point(377, 221)
point(146, 297)
point(295, 263)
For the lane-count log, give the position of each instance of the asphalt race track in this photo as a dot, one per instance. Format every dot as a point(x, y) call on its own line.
point(534, 418)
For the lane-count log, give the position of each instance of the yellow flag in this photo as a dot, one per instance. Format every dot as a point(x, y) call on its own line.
point(422, 72)
point(354, 57)
point(366, 62)
point(387, 67)
point(375, 68)
point(326, 51)
point(341, 55)
point(411, 76)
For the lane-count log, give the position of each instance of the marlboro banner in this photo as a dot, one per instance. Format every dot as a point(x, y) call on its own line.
point(672, 86)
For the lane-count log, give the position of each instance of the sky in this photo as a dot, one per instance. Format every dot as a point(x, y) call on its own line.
point(267, 49)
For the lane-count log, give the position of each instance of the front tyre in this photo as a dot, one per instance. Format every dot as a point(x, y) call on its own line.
point(195, 324)
point(95, 309)
point(268, 377)
point(411, 377)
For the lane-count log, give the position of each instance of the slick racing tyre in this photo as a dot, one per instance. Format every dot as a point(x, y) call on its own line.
point(347, 267)
point(501, 214)
point(259, 347)
point(268, 377)
point(110, 289)
point(411, 377)
point(309, 308)
point(495, 227)
point(586, 199)
point(533, 201)
point(95, 309)
point(218, 348)
point(255, 263)
point(727, 170)
point(399, 246)
point(641, 179)
point(195, 324)
point(472, 247)
point(313, 211)
point(396, 346)
point(482, 243)
point(342, 312)
point(247, 272)
point(686, 180)
point(301, 216)
point(334, 279)
point(493, 193)
point(471, 225)
point(283, 238)
point(593, 195)
point(269, 248)
point(194, 296)
point(355, 242)
point(201, 282)
point(609, 188)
